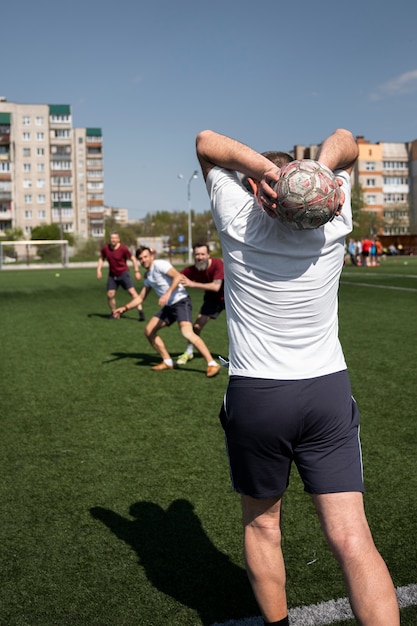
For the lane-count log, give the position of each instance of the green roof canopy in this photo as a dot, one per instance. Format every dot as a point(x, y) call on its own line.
point(5, 118)
point(93, 132)
point(59, 109)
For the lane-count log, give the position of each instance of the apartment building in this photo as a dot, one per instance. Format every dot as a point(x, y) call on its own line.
point(383, 172)
point(387, 175)
point(50, 172)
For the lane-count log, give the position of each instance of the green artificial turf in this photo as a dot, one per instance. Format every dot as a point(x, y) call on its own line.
point(116, 501)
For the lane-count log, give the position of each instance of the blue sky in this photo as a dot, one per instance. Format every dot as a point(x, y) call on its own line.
point(269, 73)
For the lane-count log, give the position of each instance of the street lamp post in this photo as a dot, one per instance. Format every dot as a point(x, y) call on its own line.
point(190, 237)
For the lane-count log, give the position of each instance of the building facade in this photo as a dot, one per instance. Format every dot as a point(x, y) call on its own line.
point(50, 172)
point(384, 172)
point(387, 175)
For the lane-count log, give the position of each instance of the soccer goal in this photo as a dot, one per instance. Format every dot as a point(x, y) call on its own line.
point(34, 253)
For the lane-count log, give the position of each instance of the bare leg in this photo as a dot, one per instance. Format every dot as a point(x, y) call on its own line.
point(111, 299)
point(133, 293)
point(198, 326)
point(369, 585)
point(151, 329)
point(188, 333)
point(263, 555)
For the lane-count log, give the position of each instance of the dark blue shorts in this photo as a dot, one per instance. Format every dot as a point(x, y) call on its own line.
point(271, 423)
point(124, 280)
point(212, 308)
point(179, 312)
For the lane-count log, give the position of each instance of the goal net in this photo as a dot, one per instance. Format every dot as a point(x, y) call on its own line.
point(33, 253)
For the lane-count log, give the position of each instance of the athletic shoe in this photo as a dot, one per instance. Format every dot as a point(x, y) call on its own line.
point(184, 358)
point(212, 370)
point(141, 316)
point(162, 366)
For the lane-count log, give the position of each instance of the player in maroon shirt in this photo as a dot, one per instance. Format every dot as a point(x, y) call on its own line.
point(117, 256)
point(206, 274)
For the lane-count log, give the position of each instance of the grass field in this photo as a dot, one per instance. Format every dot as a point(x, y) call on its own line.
point(116, 502)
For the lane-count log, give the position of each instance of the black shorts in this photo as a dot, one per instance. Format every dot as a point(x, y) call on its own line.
point(179, 312)
point(124, 280)
point(271, 423)
point(212, 308)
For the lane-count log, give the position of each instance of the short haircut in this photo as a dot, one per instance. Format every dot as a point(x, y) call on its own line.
point(142, 249)
point(201, 244)
point(278, 158)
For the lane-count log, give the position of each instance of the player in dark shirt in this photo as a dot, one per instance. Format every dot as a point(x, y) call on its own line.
point(206, 274)
point(117, 256)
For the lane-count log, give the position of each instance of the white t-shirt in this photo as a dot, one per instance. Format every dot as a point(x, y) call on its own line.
point(157, 278)
point(281, 285)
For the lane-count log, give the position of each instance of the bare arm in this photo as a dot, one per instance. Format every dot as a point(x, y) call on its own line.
point(213, 286)
point(339, 151)
point(176, 279)
point(133, 303)
point(100, 267)
point(215, 149)
point(135, 267)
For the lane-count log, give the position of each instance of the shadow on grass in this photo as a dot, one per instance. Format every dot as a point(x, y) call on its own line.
point(143, 358)
point(181, 561)
point(147, 360)
point(106, 316)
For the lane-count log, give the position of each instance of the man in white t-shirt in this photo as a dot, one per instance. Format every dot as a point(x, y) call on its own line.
point(165, 280)
point(289, 398)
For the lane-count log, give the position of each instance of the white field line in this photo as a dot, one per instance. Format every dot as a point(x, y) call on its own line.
point(326, 613)
point(355, 284)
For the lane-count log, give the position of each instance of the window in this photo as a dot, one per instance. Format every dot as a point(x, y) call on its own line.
point(26, 136)
point(60, 118)
point(28, 215)
point(40, 183)
point(28, 230)
point(370, 166)
point(42, 214)
point(40, 151)
point(370, 182)
point(395, 180)
point(26, 167)
point(28, 198)
point(61, 165)
point(68, 227)
point(80, 140)
point(40, 167)
point(370, 199)
point(41, 200)
point(26, 152)
point(95, 173)
point(95, 185)
point(39, 121)
point(5, 167)
point(40, 136)
point(62, 133)
point(395, 165)
point(63, 196)
point(62, 212)
point(398, 198)
point(27, 183)
point(26, 120)
point(61, 180)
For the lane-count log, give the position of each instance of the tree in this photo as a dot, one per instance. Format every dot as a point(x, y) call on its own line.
point(49, 231)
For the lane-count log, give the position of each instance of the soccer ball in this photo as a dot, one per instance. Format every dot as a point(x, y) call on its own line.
point(308, 194)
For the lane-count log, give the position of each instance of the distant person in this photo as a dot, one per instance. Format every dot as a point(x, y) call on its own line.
point(165, 280)
point(366, 252)
point(352, 251)
point(117, 256)
point(289, 399)
point(206, 274)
